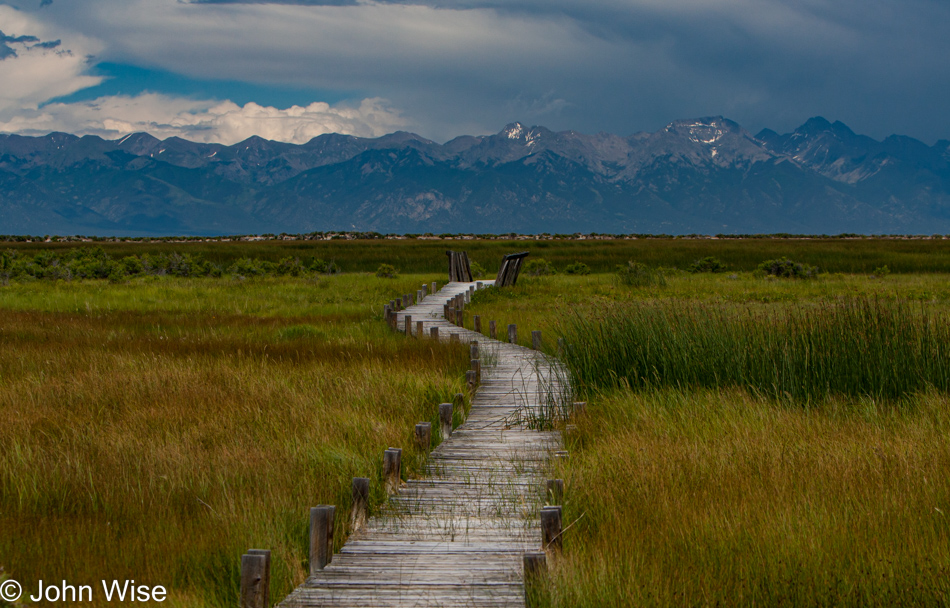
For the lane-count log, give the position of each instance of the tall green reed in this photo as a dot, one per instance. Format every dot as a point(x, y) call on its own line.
point(800, 352)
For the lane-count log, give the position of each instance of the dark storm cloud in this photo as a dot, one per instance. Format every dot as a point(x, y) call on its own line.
point(881, 66)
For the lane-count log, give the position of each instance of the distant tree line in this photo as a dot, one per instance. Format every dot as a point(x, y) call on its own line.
point(96, 263)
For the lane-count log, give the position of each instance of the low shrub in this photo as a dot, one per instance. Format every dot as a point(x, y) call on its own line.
point(577, 268)
point(707, 264)
point(387, 271)
point(538, 268)
point(785, 268)
point(638, 274)
point(477, 270)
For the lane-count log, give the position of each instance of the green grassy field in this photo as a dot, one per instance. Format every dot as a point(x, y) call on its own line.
point(156, 430)
point(156, 427)
point(749, 441)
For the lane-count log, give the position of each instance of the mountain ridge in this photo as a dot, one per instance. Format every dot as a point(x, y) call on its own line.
point(703, 175)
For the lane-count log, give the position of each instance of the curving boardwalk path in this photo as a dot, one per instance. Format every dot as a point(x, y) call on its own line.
point(456, 537)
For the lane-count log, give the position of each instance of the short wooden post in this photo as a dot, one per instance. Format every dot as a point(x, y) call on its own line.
point(535, 567)
point(398, 304)
point(424, 436)
point(420, 329)
point(407, 300)
point(492, 330)
point(434, 332)
point(477, 368)
point(392, 469)
point(408, 319)
point(536, 340)
point(445, 311)
point(473, 349)
point(551, 528)
point(477, 320)
point(478, 284)
point(445, 419)
point(253, 581)
point(513, 333)
point(360, 511)
point(555, 491)
point(418, 295)
point(451, 315)
point(470, 380)
point(265, 584)
point(435, 287)
point(454, 338)
point(425, 290)
point(319, 529)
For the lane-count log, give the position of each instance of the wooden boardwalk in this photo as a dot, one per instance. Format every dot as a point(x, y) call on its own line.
point(457, 537)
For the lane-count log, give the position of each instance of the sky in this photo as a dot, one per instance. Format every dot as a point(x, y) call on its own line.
point(224, 70)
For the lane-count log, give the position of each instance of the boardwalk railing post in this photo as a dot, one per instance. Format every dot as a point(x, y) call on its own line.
point(408, 319)
point(424, 436)
point(434, 333)
point(435, 287)
point(551, 528)
point(265, 591)
point(420, 329)
point(492, 330)
point(478, 284)
point(470, 380)
point(360, 510)
point(554, 492)
point(536, 340)
point(473, 349)
point(477, 321)
point(392, 469)
point(253, 580)
point(513, 333)
point(445, 420)
point(319, 537)
point(535, 567)
point(418, 295)
point(398, 304)
point(407, 300)
point(477, 369)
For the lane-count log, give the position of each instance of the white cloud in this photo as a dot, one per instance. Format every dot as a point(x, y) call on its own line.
point(38, 73)
point(205, 120)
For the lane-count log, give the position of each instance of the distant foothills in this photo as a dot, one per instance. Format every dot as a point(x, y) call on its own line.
point(702, 176)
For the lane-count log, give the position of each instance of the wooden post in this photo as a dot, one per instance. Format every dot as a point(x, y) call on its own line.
point(407, 300)
point(551, 528)
point(477, 368)
point(331, 524)
point(454, 338)
point(492, 330)
point(408, 319)
point(360, 511)
point(478, 284)
point(435, 287)
point(477, 320)
point(445, 419)
point(392, 469)
point(425, 290)
point(253, 581)
point(450, 314)
point(424, 435)
point(398, 304)
point(536, 340)
point(319, 529)
point(470, 380)
point(265, 584)
point(473, 349)
point(434, 332)
point(445, 311)
point(513, 334)
point(418, 295)
point(555, 491)
point(535, 567)
point(420, 330)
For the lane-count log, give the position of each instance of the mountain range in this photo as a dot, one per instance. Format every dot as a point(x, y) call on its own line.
point(704, 175)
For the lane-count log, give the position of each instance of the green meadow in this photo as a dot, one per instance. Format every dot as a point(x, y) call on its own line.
point(747, 440)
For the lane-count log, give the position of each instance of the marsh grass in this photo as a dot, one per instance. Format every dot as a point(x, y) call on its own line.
point(804, 353)
point(715, 497)
point(158, 430)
